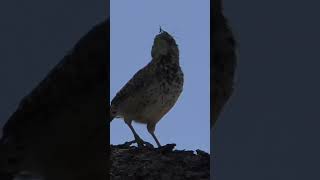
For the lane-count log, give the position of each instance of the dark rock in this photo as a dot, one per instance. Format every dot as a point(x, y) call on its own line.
point(164, 163)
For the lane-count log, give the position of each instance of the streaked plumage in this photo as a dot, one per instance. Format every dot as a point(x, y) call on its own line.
point(153, 90)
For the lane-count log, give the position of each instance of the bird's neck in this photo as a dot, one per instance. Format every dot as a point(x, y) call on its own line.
point(171, 57)
point(166, 60)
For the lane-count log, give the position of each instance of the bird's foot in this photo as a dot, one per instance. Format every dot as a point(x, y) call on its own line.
point(167, 148)
point(149, 145)
point(141, 143)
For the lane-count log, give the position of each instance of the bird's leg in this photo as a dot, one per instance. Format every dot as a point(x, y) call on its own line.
point(155, 138)
point(138, 140)
point(151, 128)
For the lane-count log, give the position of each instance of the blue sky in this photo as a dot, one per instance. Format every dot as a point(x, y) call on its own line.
point(134, 24)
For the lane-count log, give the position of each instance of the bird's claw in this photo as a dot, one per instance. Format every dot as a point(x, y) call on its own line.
point(141, 143)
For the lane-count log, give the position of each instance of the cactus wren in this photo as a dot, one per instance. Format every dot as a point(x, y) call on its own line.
point(153, 90)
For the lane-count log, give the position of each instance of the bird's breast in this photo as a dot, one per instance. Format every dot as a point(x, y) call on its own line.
point(155, 101)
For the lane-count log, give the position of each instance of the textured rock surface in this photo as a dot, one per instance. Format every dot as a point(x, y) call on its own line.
point(132, 163)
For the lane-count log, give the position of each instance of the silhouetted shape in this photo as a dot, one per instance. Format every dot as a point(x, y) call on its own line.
point(59, 130)
point(153, 90)
point(223, 51)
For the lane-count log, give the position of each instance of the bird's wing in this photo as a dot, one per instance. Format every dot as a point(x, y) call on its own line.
point(141, 80)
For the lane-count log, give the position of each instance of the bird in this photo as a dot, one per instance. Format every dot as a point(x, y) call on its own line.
point(153, 90)
point(224, 61)
point(59, 130)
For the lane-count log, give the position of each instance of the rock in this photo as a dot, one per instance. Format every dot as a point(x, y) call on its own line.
point(164, 163)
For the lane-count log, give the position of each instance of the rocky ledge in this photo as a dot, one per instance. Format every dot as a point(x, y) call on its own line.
point(132, 163)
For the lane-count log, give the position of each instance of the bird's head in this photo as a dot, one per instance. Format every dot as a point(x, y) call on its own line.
point(163, 44)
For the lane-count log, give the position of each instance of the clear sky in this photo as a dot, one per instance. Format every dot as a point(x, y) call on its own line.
point(134, 24)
